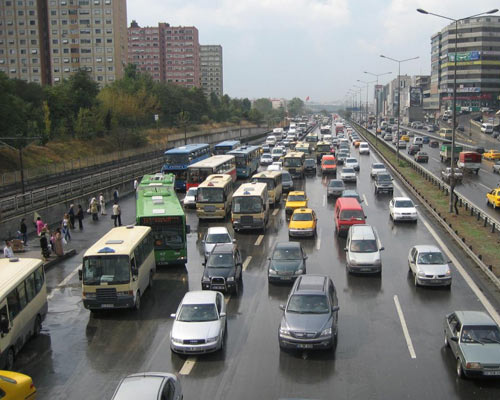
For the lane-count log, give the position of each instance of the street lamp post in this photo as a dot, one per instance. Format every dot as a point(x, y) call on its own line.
point(399, 95)
point(358, 89)
point(376, 102)
point(452, 152)
point(366, 105)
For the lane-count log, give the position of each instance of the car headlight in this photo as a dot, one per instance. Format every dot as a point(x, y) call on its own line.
point(326, 332)
point(123, 294)
point(284, 331)
point(448, 272)
point(473, 365)
point(212, 339)
point(175, 340)
point(205, 279)
point(89, 296)
point(421, 274)
point(353, 262)
point(230, 279)
point(377, 261)
point(300, 271)
point(272, 271)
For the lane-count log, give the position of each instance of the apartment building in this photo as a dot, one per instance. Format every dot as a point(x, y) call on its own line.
point(478, 64)
point(23, 40)
point(146, 49)
point(211, 69)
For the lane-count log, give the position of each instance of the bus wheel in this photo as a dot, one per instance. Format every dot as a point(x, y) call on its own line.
point(137, 305)
point(38, 326)
point(9, 363)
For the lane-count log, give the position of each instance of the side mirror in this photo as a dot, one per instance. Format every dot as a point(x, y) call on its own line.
point(366, 216)
point(305, 256)
point(222, 314)
point(173, 315)
point(234, 240)
point(382, 248)
point(282, 307)
point(80, 274)
point(204, 263)
point(188, 229)
point(135, 272)
point(269, 258)
point(454, 339)
point(335, 308)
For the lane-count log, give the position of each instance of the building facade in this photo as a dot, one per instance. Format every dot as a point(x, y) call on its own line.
point(478, 64)
point(211, 69)
point(146, 49)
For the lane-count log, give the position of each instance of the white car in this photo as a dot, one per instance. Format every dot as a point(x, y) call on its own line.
point(429, 266)
point(348, 174)
point(402, 209)
point(352, 163)
point(216, 234)
point(376, 168)
point(190, 198)
point(150, 385)
point(364, 148)
point(266, 159)
point(271, 140)
point(200, 323)
point(275, 166)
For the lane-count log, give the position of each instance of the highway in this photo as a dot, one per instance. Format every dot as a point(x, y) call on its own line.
point(390, 342)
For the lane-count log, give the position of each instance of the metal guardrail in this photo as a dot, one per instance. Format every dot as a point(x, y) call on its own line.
point(13, 206)
point(469, 206)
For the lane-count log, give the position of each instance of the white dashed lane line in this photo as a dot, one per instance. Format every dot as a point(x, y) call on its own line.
point(405, 327)
point(259, 240)
point(188, 366)
point(366, 201)
point(246, 262)
point(276, 211)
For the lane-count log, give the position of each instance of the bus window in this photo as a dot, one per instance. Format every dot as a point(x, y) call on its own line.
point(39, 278)
point(13, 303)
point(113, 270)
point(30, 288)
point(21, 294)
point(4, 321)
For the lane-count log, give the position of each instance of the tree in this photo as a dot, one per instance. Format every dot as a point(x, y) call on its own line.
point(295, 107)
point(263, 105)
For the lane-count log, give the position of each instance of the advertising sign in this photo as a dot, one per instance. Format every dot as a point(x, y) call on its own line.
point(415, 96)
point(466, 56)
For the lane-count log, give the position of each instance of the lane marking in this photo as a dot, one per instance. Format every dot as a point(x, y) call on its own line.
point(435, 159)
point(366, 201)
point(405, 327)
point(246, 262)
point(188, 366)
point(64, 282)
point(276, 211)
point(226, 300)
point(259, 240)
point(484, 186)
point(324, 200)
point(318, 244)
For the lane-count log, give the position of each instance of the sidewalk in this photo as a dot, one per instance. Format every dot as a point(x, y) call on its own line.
point(82, 240)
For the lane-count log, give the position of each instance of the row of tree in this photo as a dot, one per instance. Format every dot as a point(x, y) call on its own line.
point(77, 108)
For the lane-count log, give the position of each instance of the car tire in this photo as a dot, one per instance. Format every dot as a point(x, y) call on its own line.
point(446, 343)
point(37, 328)
point(416, 281)
point(460, 370)
point(137, 304)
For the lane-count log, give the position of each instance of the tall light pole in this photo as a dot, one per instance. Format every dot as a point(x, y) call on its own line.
point(366, 105)
point(376, 101)
point(358, 89)
point(452, 152)
point(399, 94)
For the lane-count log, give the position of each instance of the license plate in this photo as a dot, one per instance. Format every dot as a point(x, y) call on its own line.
point(436, 281)
point(218, 287)
point(492, 373)
point(365, 269)
point(193, 348)
point(107, 305)
point(284, 278)
point(305, 346)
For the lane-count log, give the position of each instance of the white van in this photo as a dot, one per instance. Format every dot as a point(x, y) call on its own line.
point(271, 140)
point(418, 140)
point(487, 128)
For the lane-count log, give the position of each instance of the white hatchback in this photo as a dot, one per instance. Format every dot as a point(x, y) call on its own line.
point(402, 209)
point(364, 148)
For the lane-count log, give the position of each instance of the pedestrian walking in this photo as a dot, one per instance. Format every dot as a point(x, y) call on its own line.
point(24, 231)
point(39, 225)
point(116, 196)
point(65, 228)
point(7, 250)
point(79, 216)
point(71, 213)
point(58, 243)
point(102, 202)
point(117, 214)
point(94, 210)
point(44, 244)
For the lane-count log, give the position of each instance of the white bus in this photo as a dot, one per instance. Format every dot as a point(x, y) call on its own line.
point(118, 268)
point(23, 305)
point(213, 199)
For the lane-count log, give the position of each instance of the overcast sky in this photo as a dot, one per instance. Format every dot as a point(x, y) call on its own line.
point(316, 48)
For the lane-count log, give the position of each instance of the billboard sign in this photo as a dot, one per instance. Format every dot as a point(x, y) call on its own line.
point(416, 97)
point(466, 56)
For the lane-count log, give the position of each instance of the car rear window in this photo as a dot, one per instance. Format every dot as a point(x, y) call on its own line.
point(352, 214)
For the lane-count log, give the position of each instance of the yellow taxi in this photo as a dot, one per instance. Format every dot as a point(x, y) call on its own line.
point(493, 198)
point(302, 223)
point(406, 138)
point(16, 386)
point(492, 155)
point(295, 199)
point(356, 142)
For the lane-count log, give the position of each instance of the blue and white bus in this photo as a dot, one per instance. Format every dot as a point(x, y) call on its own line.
point(177, 161)
point(247, 160)
point(226, 146)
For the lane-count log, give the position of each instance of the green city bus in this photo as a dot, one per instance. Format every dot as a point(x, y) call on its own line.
point(157, 206)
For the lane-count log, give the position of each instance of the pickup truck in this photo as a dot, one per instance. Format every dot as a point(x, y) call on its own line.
point(446, 175)
point(469, 161)
point(445, 152)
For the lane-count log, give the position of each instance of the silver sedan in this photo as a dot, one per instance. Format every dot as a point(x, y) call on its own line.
point(200, 323)
point(429, 266)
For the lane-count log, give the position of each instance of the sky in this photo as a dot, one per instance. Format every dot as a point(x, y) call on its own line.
point(315, 48)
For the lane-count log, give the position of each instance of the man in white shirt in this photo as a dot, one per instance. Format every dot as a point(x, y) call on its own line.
point(7, 250)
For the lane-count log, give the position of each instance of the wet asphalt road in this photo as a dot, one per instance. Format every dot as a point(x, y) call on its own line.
point(83, 356)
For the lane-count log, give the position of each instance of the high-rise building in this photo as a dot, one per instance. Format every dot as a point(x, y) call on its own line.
point(46, 41)
point(211, 69)
point(478, 64)
point(146, 49)
point(24, 52)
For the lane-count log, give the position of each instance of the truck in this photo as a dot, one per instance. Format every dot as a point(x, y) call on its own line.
point(469, 161)
point(445, 152)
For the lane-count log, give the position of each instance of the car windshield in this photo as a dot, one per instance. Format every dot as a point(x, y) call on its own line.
point(268, 181)
point(286, 254)
point(111, 270)
point(329, 162)
point(403, 204)
point(351, 161)
point(218, 238)
point(480, 334)
point(198, 313)
point(336, 183)
point(266, 156)
point(364, 246)
point(348, 170)
point(308, 304)
point(310, 162)
point(286, 177)
point(224, 260)
point(296, 197)
point(421, 153)
point(192, 192)
point(431, 258)
point(247, 204)
point(302, 217)
point(384, 178)
point(352, 214)
point(350, 193)
point(378, 166)
point(210, 195)
point(293, 162)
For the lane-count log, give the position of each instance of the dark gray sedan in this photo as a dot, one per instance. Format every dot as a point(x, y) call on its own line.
point(474, 339)
point(288, 261)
